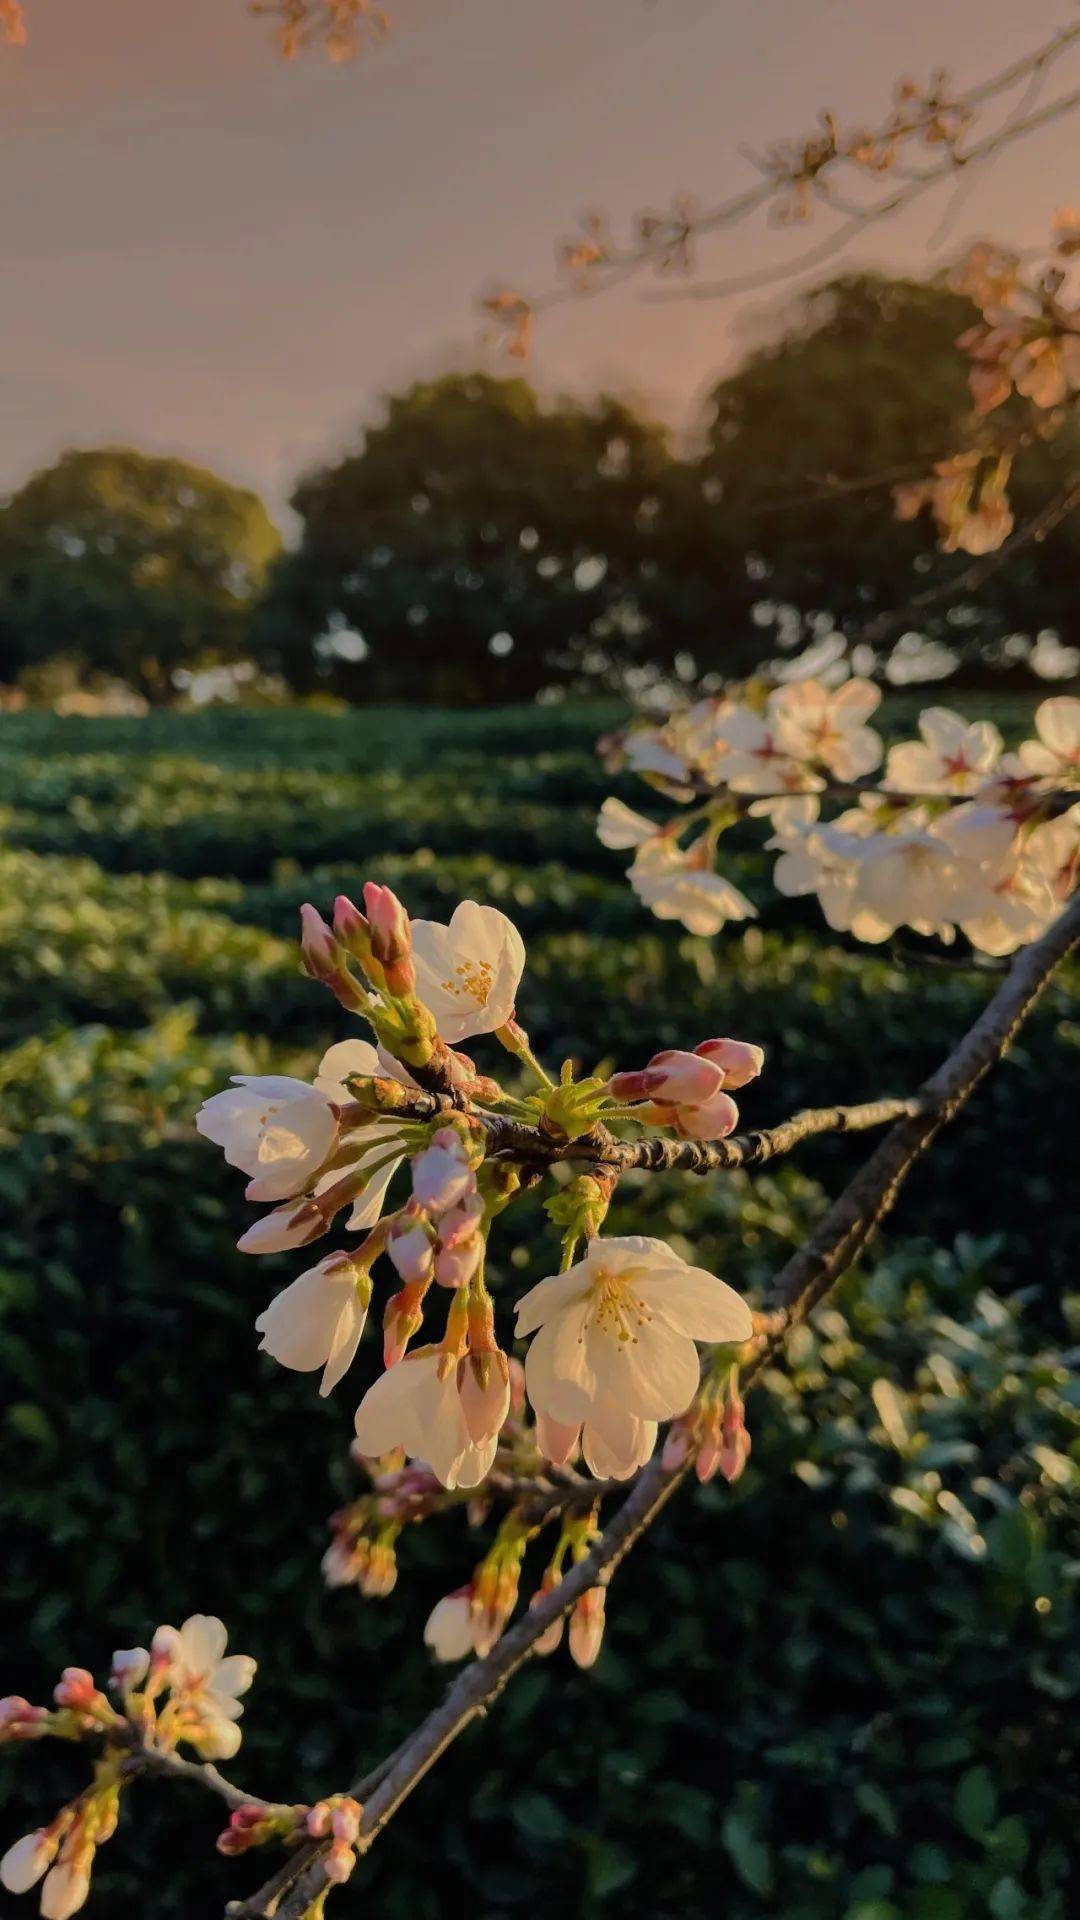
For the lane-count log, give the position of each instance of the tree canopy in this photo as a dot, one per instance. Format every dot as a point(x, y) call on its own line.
point(479, 544)
point(131, 564)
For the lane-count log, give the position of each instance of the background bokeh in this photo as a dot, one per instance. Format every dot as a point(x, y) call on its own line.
point(845, 1688)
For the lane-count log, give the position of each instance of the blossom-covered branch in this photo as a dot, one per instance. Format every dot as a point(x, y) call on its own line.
point(800, 1285)
point(956, 836)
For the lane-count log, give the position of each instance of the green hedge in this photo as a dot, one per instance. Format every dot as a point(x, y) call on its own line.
point(845, 1691)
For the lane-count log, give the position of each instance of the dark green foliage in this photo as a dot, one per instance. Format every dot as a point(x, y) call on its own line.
point(129, 566)
point(837, 1693)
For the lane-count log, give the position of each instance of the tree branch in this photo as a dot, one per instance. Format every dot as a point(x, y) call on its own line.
point(799, 1286)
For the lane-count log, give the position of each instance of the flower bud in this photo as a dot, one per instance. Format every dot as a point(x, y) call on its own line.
point(713, 1120)
point(323, 958)
point(448, 1632)
point(734, 1437)
point(442, 1175)
point(587, 1627)
point(130, 1666)
point(738, 1060)
point(65, 1888)
point(345, 1821)
point(551, 1635)
point(19, 1720)
point(391, 938)
point(75, 1689)
point(411, 1250)
point(402, 1318)
point(24, 1863)
point(455, 1266)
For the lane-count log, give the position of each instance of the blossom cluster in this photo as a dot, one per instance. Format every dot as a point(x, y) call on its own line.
point(1025, 346)
point(953, 834)
point(184, 1689)
point(403, 1138)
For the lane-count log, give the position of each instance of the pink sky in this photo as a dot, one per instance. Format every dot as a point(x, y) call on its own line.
point(209, 252)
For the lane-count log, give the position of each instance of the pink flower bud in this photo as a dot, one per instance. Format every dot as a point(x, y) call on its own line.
point(345, 1822)
point(734, 1437)
point(441, 1174)
point(164, 1647)
point(738, 1060)
point(517, 1386)
point(713, 1120)
point(318, 1820)
point(391, 937)
point(19, 1720)
point(350, 927)
point(339, 1862)
point(677, 1446)
point(455, 1266)
point(75, 1688)
point(411, 1251)
point(318, 948)
point(587, 1627)
point(402, 1317)
point(461, 1222)
point(130, 1666)
point(638, 1085)
point(65, 1889)
point(688, 1080)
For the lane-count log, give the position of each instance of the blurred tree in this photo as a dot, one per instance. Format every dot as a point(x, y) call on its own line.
point(478, 546)
point(863, 387)
point(130, 565)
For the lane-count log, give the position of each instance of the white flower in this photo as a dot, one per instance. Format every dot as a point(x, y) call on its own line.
point(669, 882)
point(206, 1682)
point(468, 973)
point(764, 755)
point(418, 1405)
point(318, 1320)
point(813, 862)
point(615, 1348)
point(619, 827)
point(953, 756)
point(910, 876)
point(1016, 898)
point(370, 1144)
point(276, 1129)
point(648, 752)
point(1055, 754)
point(449, 1629)
point(816, 724)
point(24, 1863)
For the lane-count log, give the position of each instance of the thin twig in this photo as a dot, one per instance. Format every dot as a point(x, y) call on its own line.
point(799, 1286)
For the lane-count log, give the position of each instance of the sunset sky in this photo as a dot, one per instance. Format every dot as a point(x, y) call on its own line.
point(211, 252)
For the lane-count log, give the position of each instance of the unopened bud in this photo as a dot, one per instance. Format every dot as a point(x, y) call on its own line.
point(391, 938)
point(75, 1689)
point(587, 1627)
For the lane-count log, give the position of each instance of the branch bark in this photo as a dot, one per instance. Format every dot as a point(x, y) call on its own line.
point(799, 1286)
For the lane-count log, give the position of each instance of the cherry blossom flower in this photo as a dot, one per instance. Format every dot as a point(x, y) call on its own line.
point(275, 1129)
point(677, 886)
point(813, 861)
point(206, 1683)
point(318, 1320)
point(1055, 755)
point(765, 754)
point(829, 727)
point(614, 1342)
point(619, 827)
point(419, 1404)
point(952, 757)
point(468, 973)
point(1016, 899)
point(360, 1058)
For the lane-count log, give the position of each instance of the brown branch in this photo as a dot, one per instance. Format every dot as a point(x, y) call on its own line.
point(153, 1760)
point(800, 1285)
